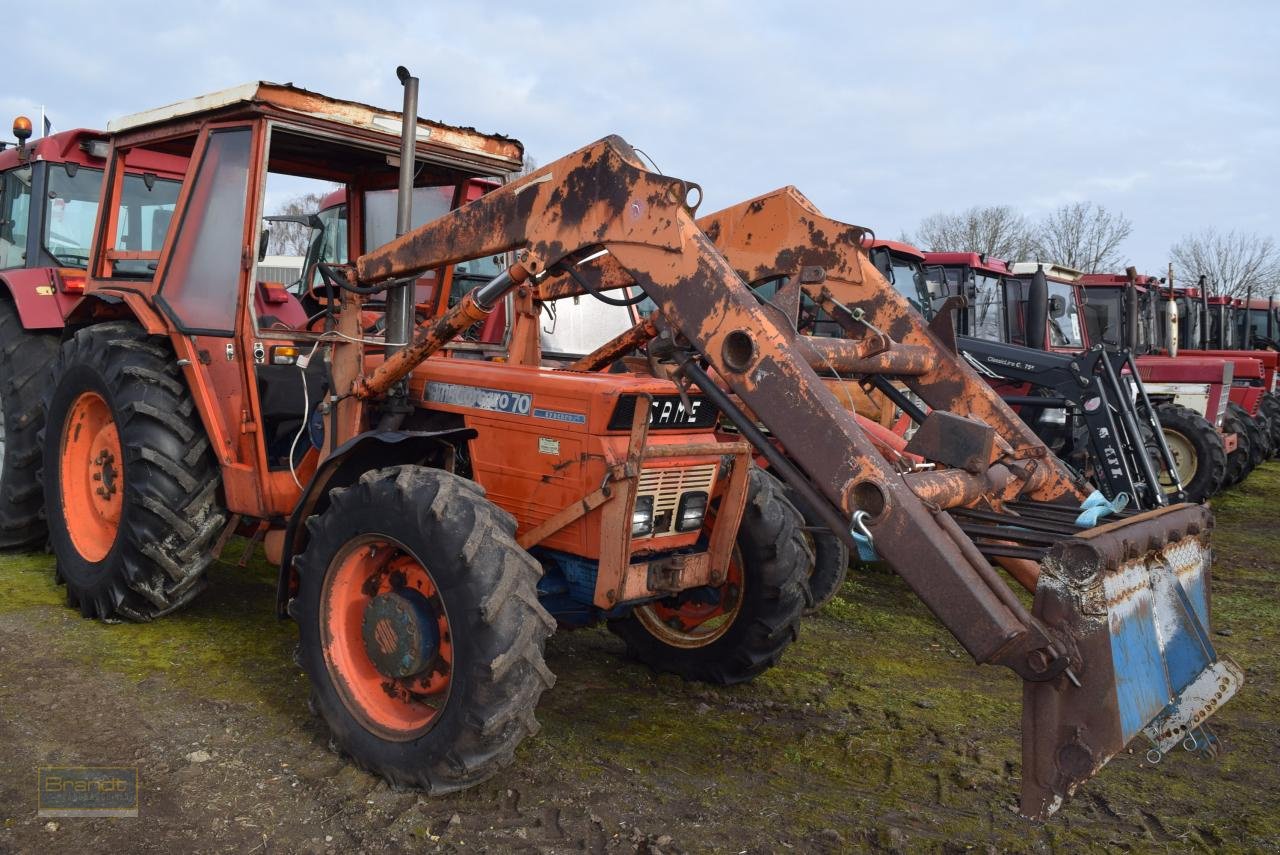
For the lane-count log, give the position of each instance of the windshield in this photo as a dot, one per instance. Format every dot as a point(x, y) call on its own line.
point(146, 208)
point(1064, 321)
point(1104, 316)
point(72, 210)
point(908, 280)
point(429, 203)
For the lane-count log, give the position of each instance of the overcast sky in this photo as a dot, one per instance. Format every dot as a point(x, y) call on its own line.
point(880, 113)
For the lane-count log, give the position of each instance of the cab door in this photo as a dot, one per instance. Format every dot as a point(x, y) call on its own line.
point(202, 280)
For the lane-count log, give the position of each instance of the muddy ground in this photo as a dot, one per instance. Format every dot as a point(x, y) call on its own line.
point(876, 733)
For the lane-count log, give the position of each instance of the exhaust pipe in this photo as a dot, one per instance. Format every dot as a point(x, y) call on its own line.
point(400, 320)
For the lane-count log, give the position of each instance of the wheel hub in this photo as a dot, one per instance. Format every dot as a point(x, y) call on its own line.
point(401, 633)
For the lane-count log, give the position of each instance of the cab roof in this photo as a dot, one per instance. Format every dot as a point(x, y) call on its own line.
point(284, 100)
point(895, 246)
point(977, 261)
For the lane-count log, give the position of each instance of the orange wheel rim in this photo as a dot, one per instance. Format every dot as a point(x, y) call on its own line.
point(699, 617)
point(92, 477)
point(366, 572)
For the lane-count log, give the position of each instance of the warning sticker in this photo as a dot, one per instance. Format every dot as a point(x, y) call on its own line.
point(548, 446)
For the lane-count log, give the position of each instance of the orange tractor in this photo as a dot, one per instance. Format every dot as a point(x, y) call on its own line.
point(438, 498)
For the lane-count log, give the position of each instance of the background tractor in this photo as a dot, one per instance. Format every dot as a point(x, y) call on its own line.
point(49, 191)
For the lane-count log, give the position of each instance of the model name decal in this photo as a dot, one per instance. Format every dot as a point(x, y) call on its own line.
point(476, 397)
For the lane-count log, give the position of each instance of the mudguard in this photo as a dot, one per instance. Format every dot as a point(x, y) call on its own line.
point(363, 453)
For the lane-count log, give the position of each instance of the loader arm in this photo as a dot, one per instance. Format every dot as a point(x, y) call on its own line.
point(936, 528)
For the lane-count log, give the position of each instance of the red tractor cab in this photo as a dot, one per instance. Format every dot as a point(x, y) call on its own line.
point(1123, 307)
point(1187, 397)
point(49, 192)
point(1078, 403)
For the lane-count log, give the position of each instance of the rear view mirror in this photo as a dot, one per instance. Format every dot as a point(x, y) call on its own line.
point(1057, 306)
point(264, 240)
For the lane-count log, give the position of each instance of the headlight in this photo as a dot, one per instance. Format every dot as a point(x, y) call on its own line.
point(642, 516)
point(693, 507)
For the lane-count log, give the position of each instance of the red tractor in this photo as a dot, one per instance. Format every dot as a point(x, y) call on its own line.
point(1124, 307)
point(49, 191)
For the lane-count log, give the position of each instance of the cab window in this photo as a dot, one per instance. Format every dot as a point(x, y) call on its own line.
point(74, 194)
point(988, 308)
point(15, 213)
point(1064, 320)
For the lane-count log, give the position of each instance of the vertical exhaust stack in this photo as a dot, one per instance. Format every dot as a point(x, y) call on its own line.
point(400, 320)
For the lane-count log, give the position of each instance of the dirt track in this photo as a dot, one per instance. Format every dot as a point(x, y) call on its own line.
point(875, 733)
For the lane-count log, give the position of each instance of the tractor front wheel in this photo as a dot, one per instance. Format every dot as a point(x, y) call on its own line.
point(420, 628)
point(735, 632)
point(25, 358)
point(1197, 450)
point(132, 489)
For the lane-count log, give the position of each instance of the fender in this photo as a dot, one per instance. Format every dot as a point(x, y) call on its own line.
point(101, 305)
point(40, 304)
point(363, 453)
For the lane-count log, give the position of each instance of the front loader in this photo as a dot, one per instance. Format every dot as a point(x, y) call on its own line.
point(445, 498)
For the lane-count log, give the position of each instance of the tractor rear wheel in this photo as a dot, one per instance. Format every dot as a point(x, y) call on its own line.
point(830, 557)
point(1197, 451)
point(420, 628)
point(1271, 408)
point(737, 631)
point(1240, 461)
point(25, 358)
point(133, 491)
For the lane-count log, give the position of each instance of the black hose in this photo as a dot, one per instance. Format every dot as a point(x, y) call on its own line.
point(331, 278)
point(586, 286)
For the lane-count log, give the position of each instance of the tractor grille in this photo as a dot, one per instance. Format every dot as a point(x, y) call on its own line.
point(667, 486)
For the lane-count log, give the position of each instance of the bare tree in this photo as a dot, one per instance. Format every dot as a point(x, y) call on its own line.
point(1231, 263)
point(1084, 236)
point(294, 238)
point(995, 230)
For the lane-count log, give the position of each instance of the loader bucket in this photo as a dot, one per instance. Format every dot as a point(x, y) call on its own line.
point(1130, 601)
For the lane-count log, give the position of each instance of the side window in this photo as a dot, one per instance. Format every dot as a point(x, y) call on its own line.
point(204, 270)
point(15, 214)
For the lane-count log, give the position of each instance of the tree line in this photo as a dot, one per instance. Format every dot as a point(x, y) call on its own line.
point(1089, 238)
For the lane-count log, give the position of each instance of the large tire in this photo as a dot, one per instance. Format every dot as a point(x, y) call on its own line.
point(1271, 408)
point(25, 358)
point(455, 716)
point(1240, 461)
point(119, 415)
point(1197, 448)
point(1258, 444)
point(736, 632)
point(830, 557)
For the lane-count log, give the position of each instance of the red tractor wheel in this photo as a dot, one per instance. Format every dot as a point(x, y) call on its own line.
point(420, 628)
point(131, 487)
